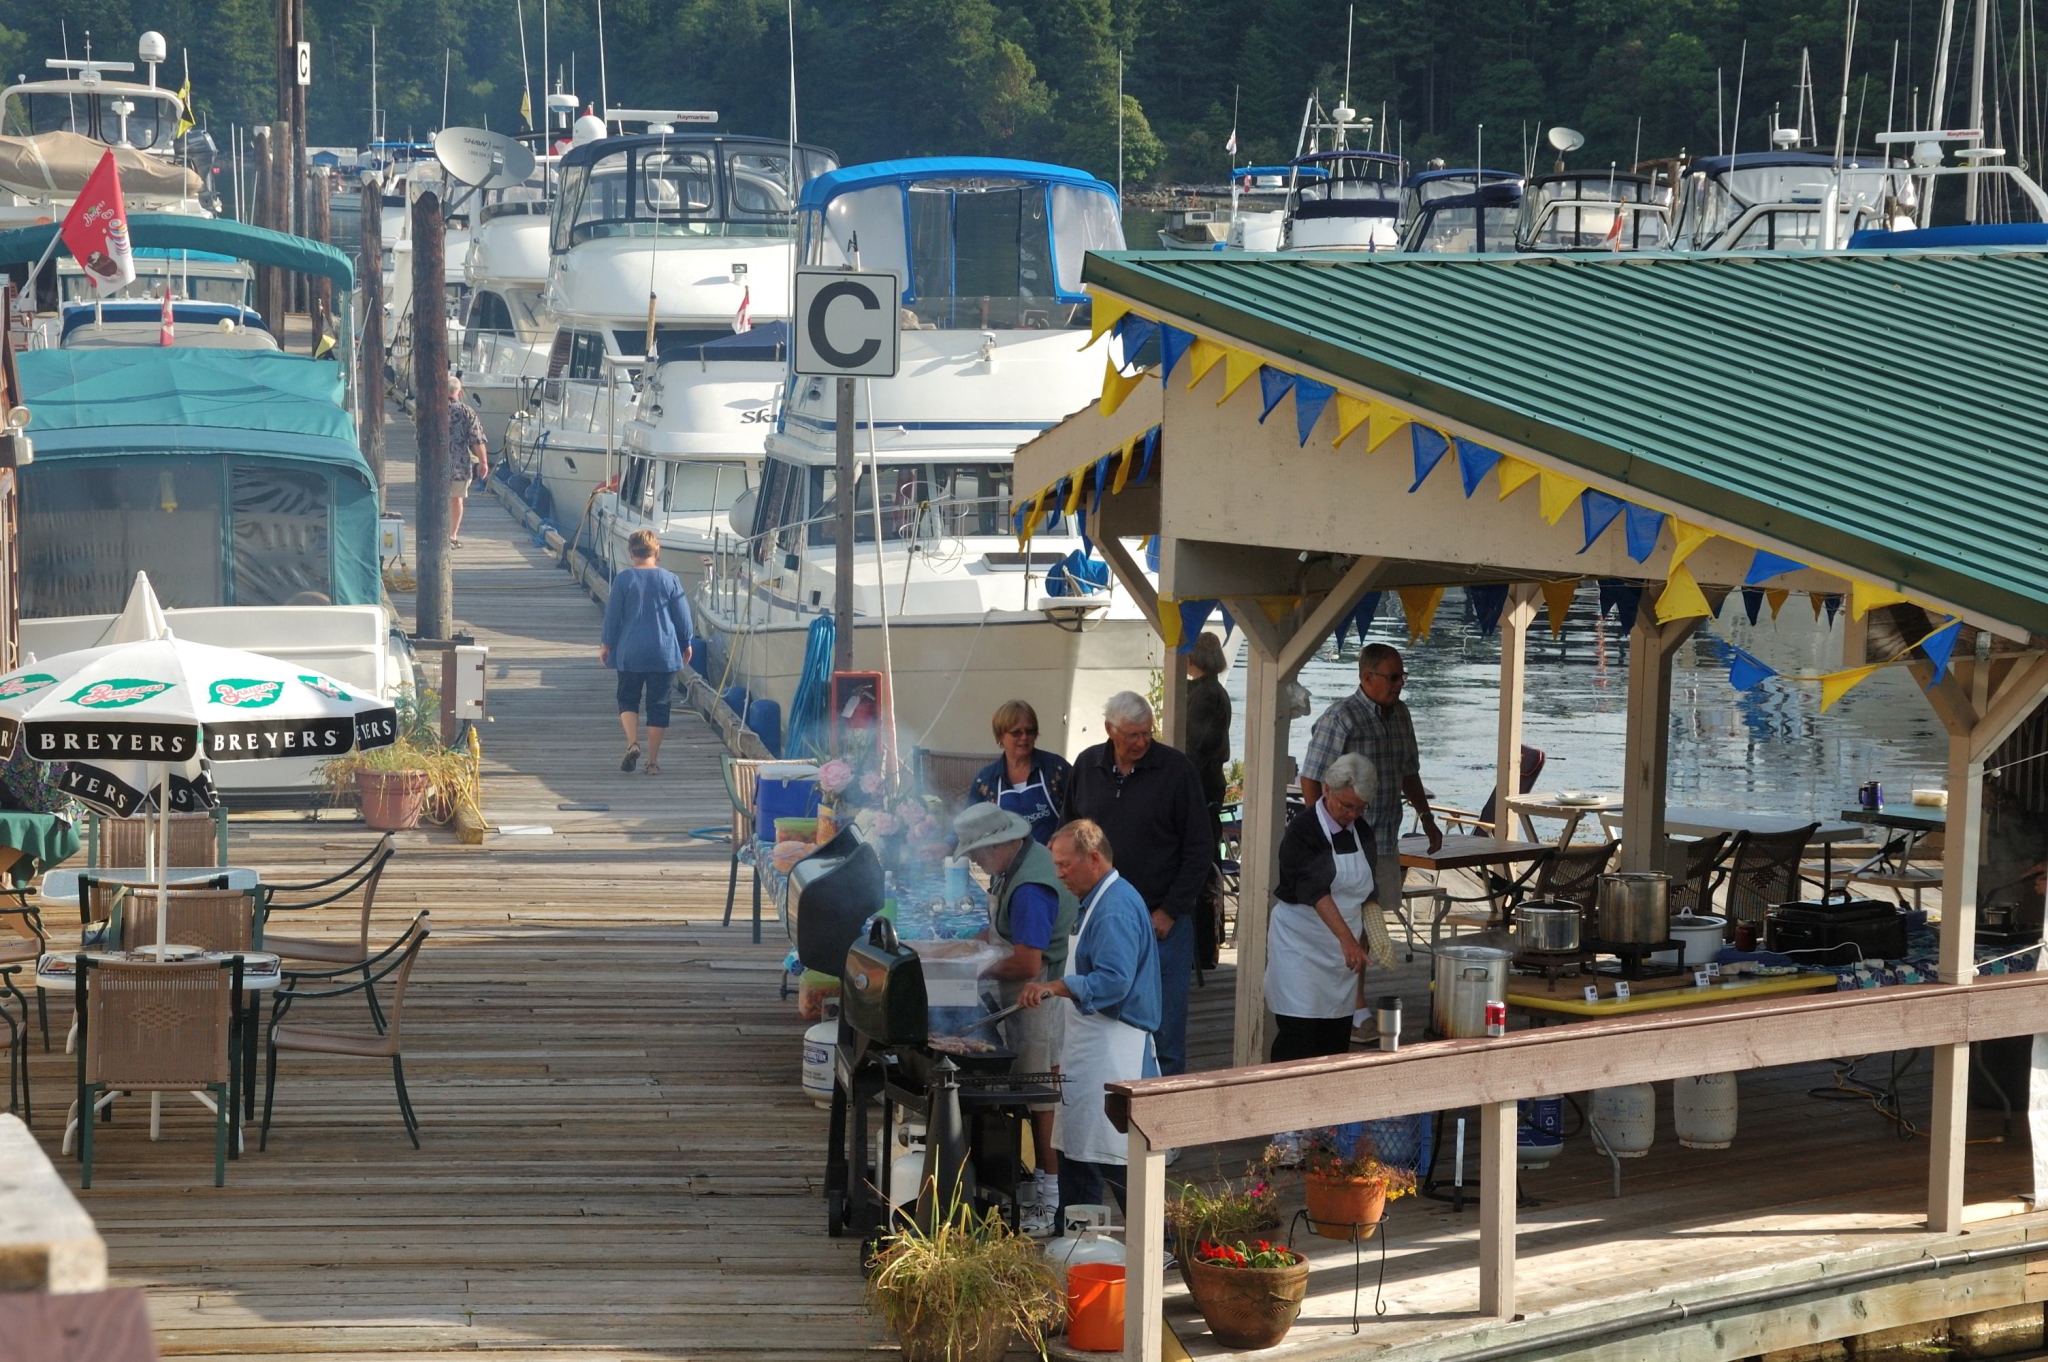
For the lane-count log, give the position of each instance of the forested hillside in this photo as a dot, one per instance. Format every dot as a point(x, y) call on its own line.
point(1038, 78)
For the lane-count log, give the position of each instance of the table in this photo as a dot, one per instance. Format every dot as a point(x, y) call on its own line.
point(1460, 852)
point(1903, 817)
point(61, 885)
point(39, 839)
point(1528, 993)
point(1550, 806)
point(1690, 822)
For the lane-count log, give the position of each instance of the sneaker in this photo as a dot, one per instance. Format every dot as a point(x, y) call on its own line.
point(1037, 1219)
point(1048, 1185)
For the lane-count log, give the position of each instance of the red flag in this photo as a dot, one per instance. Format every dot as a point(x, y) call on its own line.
point(1614, 229)
point(167, 326)
point(743, 320)
point(96, 229)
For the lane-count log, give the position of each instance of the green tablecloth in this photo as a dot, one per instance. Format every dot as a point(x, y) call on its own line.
point(46, 838)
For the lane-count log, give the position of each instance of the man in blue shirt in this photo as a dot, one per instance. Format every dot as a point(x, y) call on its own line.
point(647, 629)
point(1112, 980)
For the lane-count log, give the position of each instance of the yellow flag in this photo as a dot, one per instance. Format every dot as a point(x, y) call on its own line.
point(1776, 596)
point(1864, 597)
point(1116, 387)
point(1277, 608)
point(1126, 464)
point(1514, 474)
point(1201, 358)
point(1351, 414)
point(1108, 312)
point(526, 110)
point(1169, 622)
point(1689, 537)
point(1073, 493)
point(1419, 603)
point(1558, 494)
point(1557, 596)
point(1384, 422)
point(1835, 685)
point(1031, 517)
point(1681, 599)
point(185, 119)
point(1237, 367)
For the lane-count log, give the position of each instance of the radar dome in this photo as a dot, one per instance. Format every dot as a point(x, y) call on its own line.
point(589, 128)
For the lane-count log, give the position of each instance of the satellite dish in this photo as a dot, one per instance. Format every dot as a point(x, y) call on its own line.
point(1565, 139)
point(482, 160)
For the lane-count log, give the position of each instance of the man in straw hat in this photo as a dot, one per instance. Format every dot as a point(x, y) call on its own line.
point(1032, 913)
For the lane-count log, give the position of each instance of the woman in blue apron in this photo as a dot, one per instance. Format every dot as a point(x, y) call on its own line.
point(1023, 780)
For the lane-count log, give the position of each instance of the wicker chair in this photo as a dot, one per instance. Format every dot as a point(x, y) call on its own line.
point(224, 920)
point(742, 783)
point(1765, 872)
point(354, 887)
point(1697, 870)
point(395, 963)
point(196, 839)
point(155, 1028)
point(1572, 874)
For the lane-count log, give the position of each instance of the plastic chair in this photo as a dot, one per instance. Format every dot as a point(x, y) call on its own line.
point(1765, 872)
point(196, 839)
point(395, 963)
point(154, 1028)
point(1893, 868)
point(742, 782)
point(359, 882)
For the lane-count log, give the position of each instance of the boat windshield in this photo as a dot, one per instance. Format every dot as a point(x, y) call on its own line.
point(701, 486)
point(1352, 179)
point(919, 501)
point(1594, 212)
point(210, 281)
point(682, 190)
point(152, 115)
point(1465, 230)
point(973, 252)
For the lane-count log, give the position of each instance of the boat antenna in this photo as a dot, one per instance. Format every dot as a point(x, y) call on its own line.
point(71, 105)
point(1479, 157)
point(375, 136)
point(1639, 143)
point(1937, 108)
point(1891, 97)
point(1350, 27)
point(547, 114)
point(526, 77)
point(1848, 56)
point(1973, 182)
point(604, 86)
point(447, 62)
point(795, 179)
point(1720, 118)
point(1735, 118)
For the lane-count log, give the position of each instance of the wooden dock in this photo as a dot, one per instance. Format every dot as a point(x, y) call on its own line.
point(618, 1160)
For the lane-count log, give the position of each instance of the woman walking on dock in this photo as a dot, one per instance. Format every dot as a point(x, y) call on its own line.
point(647, 630)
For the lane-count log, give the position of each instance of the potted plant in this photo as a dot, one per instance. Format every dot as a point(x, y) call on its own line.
point(415, 777)
point(1347, 1187)
point(1249, 1293)
point(959, 1289)
point(1238, 1208)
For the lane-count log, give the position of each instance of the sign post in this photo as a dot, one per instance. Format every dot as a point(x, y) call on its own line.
point(846, 328)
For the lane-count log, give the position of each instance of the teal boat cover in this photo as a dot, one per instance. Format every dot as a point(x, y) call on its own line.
point(249, 408)
point(222, 236)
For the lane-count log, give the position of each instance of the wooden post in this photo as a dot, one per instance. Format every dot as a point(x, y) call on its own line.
point(282, 177)
point(1947, 1137)
point(1265, 815)
point(318, 228)
point(1515, 619)
point(1648, 743)
point(259, 211)
point(370, 354)
point(1497, 1209)
point(435, 615)
point(1144, 1252)
point(1173, 665)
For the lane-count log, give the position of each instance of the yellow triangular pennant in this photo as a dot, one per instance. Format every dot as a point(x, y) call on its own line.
point(1117, 386)
point(1073, 493)
point(1558, 494)
point(1419, 604)
point(1514, 474)
point(1689, 537)
point(1033, 516)
point(1108, 312)
point(1351, 414)
point(1237, 367)
point(1557, 596)
point(1864, 597)
point(1169, 623)
point(1385, 420)
point(1813, 599)
point(1277, 608)
point(1126, 464)
point(1835, 685)
point(1775, 597)
point(1201, 358)
point(1681, 599)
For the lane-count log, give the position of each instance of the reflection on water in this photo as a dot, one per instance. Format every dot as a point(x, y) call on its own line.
point(1767, 750)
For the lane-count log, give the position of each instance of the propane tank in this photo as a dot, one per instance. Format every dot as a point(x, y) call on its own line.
point(1539, 1134)
point(1626, 1118)
point(906, 1170)
point(1087, 1240)
point(820, 1042)
point(1703, 1110)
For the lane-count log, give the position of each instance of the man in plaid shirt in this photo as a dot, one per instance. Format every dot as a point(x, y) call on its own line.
point(1373, 721)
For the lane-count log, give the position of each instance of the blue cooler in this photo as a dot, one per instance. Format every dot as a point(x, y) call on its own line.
point(788, 789)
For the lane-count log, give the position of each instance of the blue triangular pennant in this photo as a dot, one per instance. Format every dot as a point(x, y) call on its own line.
point(1622, 598)
point(1599, 510)
point(1833, 605)
point(1274, 384)
point(1136, 333)
point(1475, 461)
point(1101, 483)
point(1643, 526)
point(1310, 397)
point(1081, 527)
point(1752, 602)
point(1152, 552)
point(1767, 565)
point(1229, 624)
point(1150, 442)
point(1487, 602)
point(1193, 615)
point(1430, 448)
point(1173, 343)
point(1938, 646)
point(1746, 673)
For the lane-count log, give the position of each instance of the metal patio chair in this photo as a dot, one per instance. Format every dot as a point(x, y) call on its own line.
point(742, 785)
point(355, 887)
point(1765, 872)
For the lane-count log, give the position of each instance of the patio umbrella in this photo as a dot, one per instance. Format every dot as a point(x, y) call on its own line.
point(163, 706)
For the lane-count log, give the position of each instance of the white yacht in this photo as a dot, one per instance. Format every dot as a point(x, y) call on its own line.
point(1460, 212)
point(1789, 200)
point(506, 333)
point(994, 322)
point(1593, 210)
point(673, 232)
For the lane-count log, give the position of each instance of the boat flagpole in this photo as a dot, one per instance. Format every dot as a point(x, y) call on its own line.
point(1848, 56)
point(526, 77)
point(604, 84)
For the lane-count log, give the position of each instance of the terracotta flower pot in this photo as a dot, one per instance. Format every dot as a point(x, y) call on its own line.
point(392, 801)
point(1248, 1307)
point(982, 1341)
point(1336, 1204)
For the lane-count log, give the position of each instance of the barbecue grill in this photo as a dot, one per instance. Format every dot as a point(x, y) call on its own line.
point(885, 1055)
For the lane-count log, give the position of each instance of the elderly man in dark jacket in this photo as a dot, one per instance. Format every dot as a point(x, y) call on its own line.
point(1147, 797)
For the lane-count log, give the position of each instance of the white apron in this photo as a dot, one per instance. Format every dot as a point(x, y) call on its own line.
point(1305, 974)
point(1098, 1050)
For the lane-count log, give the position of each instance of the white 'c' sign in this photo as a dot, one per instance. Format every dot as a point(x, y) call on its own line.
point(846, 323)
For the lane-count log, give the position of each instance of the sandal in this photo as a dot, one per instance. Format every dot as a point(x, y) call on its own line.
point(653, 768)
point(631, 759)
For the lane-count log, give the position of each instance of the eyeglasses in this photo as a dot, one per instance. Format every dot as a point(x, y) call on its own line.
point(1135, 734)
point(1021, 733)
point(1390, 676)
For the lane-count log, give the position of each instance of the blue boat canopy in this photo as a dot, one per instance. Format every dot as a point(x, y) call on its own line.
point(1304, 172)
point(767, 342)
point(226, 238)
point(1764, 160)
point(183, 313)
point(1423, 177)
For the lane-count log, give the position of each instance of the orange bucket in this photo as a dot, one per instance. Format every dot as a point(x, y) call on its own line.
point(1095, 1307)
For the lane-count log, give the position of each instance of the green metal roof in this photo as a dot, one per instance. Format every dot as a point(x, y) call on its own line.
point(1885, 411)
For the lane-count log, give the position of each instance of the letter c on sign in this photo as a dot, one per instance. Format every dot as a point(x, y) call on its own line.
point(821, 302)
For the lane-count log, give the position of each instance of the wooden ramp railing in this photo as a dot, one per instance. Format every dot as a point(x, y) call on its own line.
point(1492, 1074)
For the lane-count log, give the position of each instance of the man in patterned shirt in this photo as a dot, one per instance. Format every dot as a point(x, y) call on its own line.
point(468, 454)
point(1373, 721)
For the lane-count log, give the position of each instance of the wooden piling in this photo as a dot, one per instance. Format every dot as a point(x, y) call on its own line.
point(370, 353)
point(319, 228)
point(430, 415)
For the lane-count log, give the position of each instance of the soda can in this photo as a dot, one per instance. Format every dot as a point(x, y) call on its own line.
point(1496, 1019)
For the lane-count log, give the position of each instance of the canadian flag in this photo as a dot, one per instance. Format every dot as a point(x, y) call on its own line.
point(1614, 229)
point(96, 229)
point(743, 320)
point(167, 324)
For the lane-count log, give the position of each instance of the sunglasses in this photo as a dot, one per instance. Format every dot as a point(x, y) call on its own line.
point(1021, 733)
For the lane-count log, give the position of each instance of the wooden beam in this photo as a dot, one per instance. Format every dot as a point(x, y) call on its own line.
point(1173, 670)
point(1497, 1188)
point(1262, 633)
point(1961, 848)
point(1145, 1250)
point(1251, 1102)
point(1131, 578)
point(1322, 620)
point(1648, 741)
point(1947, 1142)
point(2012, 702)
point(1264, 811)
point(1515, 618)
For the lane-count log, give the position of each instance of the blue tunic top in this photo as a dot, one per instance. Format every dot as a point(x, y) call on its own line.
point(647, 621)
point(1114, 969)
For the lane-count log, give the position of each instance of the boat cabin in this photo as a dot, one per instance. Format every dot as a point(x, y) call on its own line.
point(196, 326)
point(977, 243)
point(198, 276)
point(681, 186)
point(1777, 201)
point(1354, 205)
point(1460, 211)
point(1594, 211)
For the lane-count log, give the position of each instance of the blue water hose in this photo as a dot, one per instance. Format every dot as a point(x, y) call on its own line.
point(807, 717)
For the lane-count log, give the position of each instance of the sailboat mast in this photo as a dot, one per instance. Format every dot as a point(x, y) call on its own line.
point(1974, 182)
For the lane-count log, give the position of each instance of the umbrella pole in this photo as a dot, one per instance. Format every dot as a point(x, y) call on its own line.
point(160, 854)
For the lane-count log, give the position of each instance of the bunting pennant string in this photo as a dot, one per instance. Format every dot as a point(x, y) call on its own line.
point(1310, 397)
point(1514, 473)
point(1237, 367)
point(1625, 599)
point(1202, 357)
point(1107, 313)
point(1351, 414)
point(1169, 622)
point(1813, 600)
point(1149, 443)
point(1643, 527)
point(1274, 385)
point(1133, 334)
point(1126, 464)
point(1777, 596)
point(1487, 602)
point(1557, 600)
point(1173, 343)
point(1767, 565)
point(1101, 484)
point(1865, 597)
point(1835, 685)
point(1688, 537)
point(1430, 446)
point(1746, 672)
point(1193, 615)
point(1420, 603)
point(1381, 425)
point(1361, 619)
point(1833, 605)
point(1599, 511)
point(1475, 461)
point(1939, 646)
point(1556, 493)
